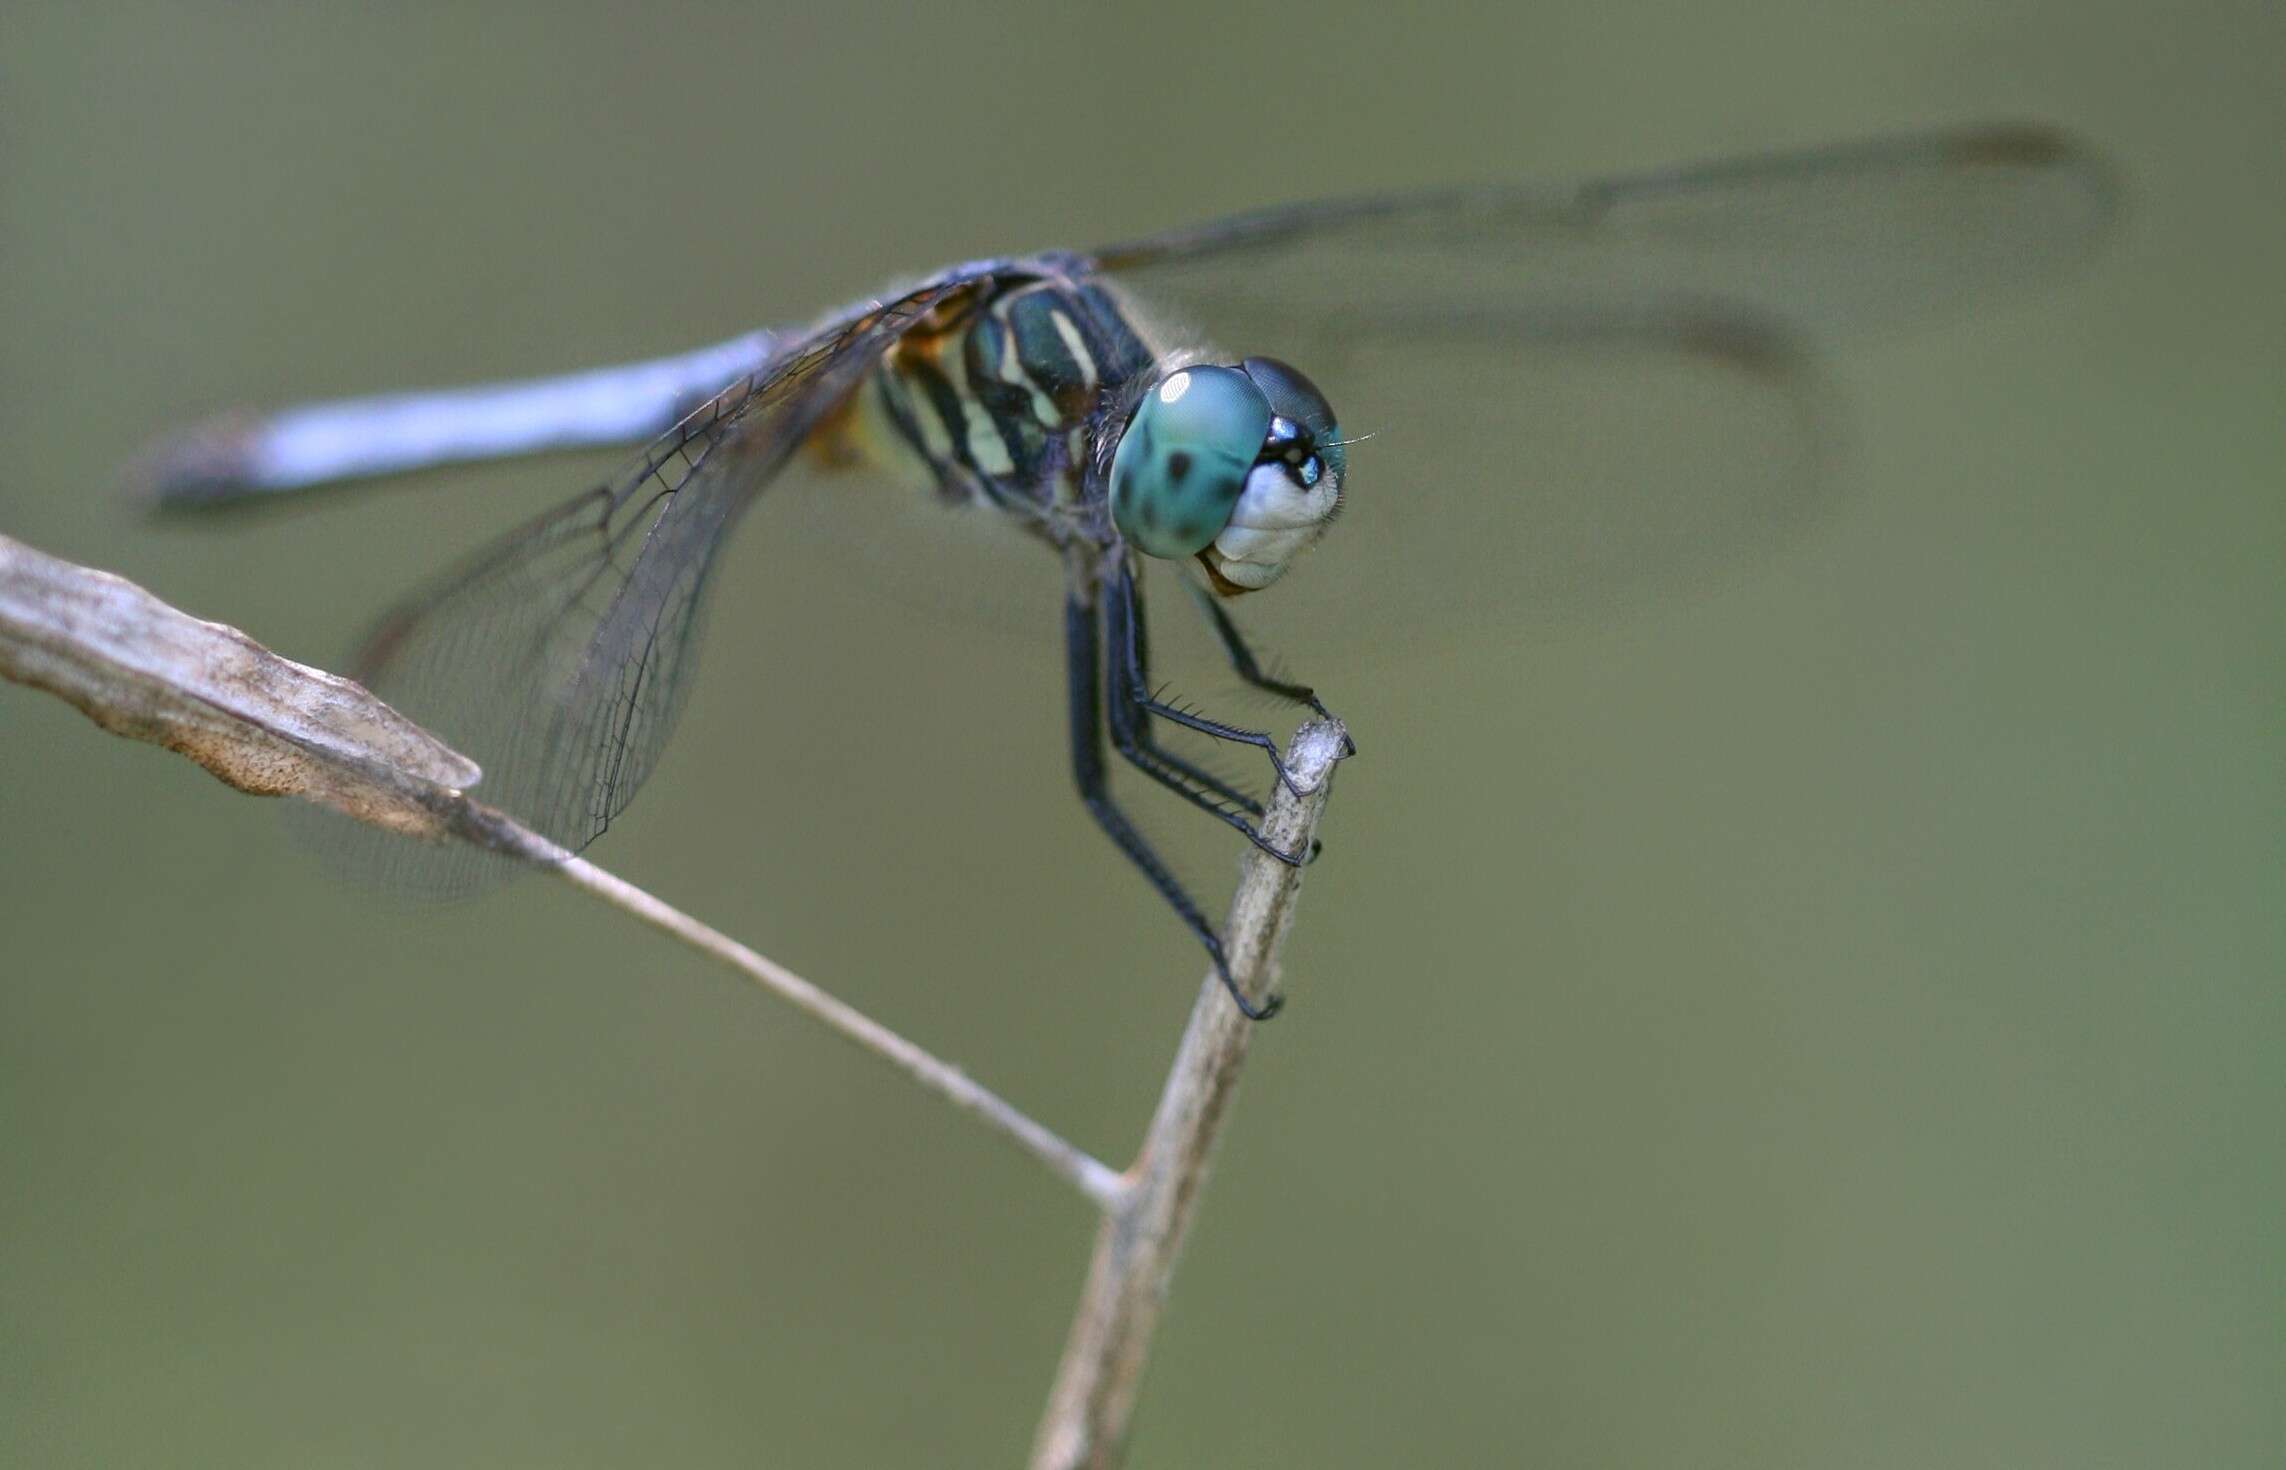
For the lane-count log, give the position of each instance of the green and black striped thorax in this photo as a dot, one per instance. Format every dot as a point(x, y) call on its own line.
point(997, 391)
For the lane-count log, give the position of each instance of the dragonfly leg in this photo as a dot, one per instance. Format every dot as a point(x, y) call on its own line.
point(1128, 638)
point(1126, 633)
point(1121, 588)
point(1248, 668)
point(1083, 666)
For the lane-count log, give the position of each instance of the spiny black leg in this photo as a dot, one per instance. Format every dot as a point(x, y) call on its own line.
point(1128, 640)
point(1248, 669)
point(1121, 585)
point(1082, 668)
point(1127, 634)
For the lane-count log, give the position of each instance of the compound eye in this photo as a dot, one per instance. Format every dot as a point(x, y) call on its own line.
point(1182, 462)
point(1293, 396)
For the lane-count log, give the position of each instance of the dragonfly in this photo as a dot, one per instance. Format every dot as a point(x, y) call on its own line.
point(1076, 397)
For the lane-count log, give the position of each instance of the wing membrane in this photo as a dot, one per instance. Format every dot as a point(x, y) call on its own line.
point(560, 656)
point(1581, 393)
point(1845, 238)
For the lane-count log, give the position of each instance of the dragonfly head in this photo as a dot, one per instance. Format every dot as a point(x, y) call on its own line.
point(1240, 467)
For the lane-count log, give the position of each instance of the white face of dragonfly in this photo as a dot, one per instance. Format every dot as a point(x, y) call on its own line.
point(1240, 467)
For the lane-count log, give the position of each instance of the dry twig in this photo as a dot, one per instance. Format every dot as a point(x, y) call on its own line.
point(1142, 1230)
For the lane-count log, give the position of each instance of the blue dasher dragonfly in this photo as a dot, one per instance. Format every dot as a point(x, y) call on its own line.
point(1071, 394)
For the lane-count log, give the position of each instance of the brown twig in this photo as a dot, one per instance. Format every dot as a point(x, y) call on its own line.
point(1143, 1227)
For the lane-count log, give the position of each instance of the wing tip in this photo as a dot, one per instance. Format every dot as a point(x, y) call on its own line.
point(2014, 144)
point(2031, 147)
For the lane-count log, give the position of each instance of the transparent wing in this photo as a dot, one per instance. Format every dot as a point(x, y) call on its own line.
point(560, 656)
point(1577, 393)
point(1844, 237)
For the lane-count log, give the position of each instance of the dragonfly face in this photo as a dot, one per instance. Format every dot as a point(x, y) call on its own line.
point(559, 656)
point(1008, 396)
point(1240, 467)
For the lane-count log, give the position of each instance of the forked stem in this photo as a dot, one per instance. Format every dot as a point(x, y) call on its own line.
point(264, 724)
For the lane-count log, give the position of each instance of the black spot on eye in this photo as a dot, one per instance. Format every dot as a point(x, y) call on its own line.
point(1178, 465)
point(1148, 514)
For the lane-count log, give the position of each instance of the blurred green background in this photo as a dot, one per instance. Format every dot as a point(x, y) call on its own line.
point(1847, 1030)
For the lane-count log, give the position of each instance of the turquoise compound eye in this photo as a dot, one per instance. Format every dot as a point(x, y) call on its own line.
point(1184, 459)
